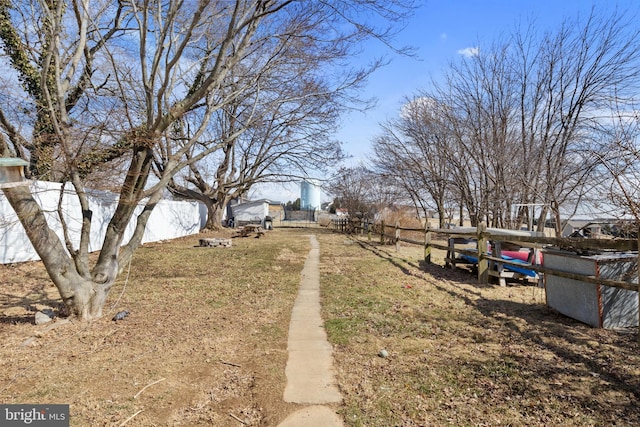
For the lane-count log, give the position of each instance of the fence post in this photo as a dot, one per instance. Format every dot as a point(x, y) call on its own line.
point(427, 242)
point(397, 235)
point(369, 230)
point(483, 262)
point(382, 232)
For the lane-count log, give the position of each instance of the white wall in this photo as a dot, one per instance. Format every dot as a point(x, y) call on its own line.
point(169, 220)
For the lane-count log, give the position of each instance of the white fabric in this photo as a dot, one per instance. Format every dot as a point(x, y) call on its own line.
point(169, 220)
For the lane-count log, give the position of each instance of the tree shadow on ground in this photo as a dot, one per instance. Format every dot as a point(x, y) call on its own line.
point(579, 351)
point(27, 299)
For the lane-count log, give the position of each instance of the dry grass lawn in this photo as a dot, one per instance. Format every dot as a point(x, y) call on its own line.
point(205, 342)
point(207, 328)
point(462, 354)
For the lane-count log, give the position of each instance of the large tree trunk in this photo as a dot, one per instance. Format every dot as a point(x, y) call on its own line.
point(83, 296)
point(215, 212)
point(542, 219)
point(85, 292)
point(214, 216)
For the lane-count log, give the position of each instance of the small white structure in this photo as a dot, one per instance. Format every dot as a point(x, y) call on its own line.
point(253, 212)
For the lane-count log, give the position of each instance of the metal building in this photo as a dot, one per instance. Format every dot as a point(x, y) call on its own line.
point(309, 196)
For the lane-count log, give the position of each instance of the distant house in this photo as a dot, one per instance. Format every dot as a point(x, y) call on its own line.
point(601, 228)
point(342, 212)
point(582, 228)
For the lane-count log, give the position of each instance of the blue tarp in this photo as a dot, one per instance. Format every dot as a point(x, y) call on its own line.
point(514, 268)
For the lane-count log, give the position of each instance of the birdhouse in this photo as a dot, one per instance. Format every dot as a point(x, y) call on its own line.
point(12, 172)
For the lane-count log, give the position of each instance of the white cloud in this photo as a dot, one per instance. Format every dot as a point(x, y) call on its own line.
point(443, 36)
point(469, 51)
point(416, 106)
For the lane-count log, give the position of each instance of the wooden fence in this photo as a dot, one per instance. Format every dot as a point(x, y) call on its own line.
point(487, 262)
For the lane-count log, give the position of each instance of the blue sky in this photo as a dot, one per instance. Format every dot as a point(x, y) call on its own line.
point(440, 31)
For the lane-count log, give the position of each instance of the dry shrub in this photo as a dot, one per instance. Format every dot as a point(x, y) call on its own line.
point(407, 219)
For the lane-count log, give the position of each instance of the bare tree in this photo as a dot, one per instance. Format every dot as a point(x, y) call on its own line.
point(617, 153)
point(521, 116)
point(103, 81)
point(566, 81)
point(352, 189)
point(413, 151)
point(280, 133)
point(481, 94)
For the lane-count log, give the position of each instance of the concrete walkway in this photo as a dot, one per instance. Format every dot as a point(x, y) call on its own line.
point(310, 379)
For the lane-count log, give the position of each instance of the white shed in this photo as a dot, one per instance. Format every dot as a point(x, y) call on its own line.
point(253, 212)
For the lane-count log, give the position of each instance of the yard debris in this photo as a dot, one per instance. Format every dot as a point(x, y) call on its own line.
point(237, 419)
point(147, 386)
point(224, 362)
point(120, 315)
point(130, 418)
point(44, 317)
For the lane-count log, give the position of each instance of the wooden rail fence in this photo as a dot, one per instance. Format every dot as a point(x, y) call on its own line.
point(487, 262)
